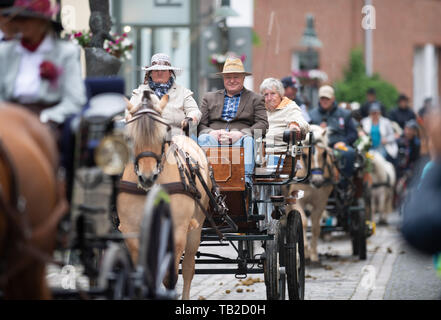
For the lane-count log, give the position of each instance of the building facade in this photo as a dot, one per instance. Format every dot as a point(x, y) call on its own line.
point(405, 46)
point(189, 31)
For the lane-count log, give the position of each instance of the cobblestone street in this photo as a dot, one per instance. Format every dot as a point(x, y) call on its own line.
point(341, 276)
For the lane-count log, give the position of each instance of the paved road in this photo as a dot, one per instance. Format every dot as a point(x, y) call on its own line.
point(391, 271)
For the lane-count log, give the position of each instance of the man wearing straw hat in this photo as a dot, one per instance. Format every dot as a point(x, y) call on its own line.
point(234, 115)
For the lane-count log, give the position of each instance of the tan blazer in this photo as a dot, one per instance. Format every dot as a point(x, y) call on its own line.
point(251, 113)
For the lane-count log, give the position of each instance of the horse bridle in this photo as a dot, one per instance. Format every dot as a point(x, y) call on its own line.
point(147, 183)
point(326, 165)
point(150, 180)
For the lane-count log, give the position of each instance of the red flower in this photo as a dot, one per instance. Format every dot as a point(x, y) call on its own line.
point(50, 72)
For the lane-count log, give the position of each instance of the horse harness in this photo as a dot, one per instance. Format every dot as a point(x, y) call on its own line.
point(188, 172)
point(326, 165)
point(20, 236)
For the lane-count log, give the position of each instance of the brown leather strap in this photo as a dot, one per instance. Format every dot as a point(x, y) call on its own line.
point(170, 188)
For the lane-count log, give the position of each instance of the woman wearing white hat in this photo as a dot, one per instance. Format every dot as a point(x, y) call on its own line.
point(160, 78)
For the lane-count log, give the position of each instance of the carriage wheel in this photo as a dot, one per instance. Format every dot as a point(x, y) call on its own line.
point(114, 275)
point(157, 247)
point(274, 271)
point(294, 254)
point(358, 234)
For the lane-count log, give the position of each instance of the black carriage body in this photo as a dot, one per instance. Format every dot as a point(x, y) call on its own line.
point(260, 216)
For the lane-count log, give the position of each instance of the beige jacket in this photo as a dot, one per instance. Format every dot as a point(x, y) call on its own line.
point(181, 104)
point(279, 120)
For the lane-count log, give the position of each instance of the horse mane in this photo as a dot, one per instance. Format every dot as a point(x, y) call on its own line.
point(320, 135)
point(145, 132)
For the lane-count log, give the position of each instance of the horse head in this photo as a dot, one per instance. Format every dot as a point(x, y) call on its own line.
point(319, 156)
point(147, 130)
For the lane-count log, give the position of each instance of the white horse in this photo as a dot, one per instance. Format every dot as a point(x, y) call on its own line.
point(383, 182)
point(317, 190)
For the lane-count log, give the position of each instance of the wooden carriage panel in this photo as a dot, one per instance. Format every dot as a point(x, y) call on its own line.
point(228, 167)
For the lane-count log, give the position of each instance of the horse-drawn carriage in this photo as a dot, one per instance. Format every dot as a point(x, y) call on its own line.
point(100, 155)
point(345, 199)
point(128, 233)
point(87, 240)
point(258, 214)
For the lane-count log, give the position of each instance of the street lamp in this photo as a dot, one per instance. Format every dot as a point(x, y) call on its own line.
point(221, 14)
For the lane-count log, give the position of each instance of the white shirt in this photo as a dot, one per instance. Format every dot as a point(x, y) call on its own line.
point(28, 81)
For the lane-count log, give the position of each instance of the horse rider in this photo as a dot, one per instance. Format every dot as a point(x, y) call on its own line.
point(233, 116)
point(160, 78)
point(341, 130)
point(40, 71)
point(283, 114)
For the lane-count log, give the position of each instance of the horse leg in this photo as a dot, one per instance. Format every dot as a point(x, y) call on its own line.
point(188, 264)
point(382, 203)
point(316, 215)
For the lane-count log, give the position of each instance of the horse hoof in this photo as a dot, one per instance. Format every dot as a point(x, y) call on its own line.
point(313, 264)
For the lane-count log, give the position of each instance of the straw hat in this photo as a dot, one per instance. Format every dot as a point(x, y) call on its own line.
point(161, 61)
point(233, 65)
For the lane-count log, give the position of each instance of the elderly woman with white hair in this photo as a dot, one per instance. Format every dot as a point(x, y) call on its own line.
point(283, 114)
point(161, 79)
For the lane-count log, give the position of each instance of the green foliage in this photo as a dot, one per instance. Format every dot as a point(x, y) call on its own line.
point(356, 83)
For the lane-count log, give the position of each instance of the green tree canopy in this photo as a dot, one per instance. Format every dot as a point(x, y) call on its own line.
point(355, 83)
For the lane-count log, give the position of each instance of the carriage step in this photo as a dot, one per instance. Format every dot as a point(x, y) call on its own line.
point(90, 209)
point(227, 271)
point(243, 237)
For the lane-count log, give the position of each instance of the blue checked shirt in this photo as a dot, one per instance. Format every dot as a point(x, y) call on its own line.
point(231, 104)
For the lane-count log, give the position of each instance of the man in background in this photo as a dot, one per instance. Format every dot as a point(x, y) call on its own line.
point(292, 86)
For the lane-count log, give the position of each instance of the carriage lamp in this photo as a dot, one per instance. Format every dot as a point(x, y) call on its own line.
point(112, 154)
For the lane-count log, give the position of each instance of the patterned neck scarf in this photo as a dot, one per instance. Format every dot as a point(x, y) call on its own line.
point(161, 88)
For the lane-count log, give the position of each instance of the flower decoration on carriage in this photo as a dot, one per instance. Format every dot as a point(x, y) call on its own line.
point(81, 38)
point(121, 47)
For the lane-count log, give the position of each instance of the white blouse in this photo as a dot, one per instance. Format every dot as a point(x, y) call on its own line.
point(28, 81)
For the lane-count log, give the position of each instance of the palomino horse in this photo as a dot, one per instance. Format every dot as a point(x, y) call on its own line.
point(317, 190)
point(157, 162)
point(30, 203)
point(383, 182)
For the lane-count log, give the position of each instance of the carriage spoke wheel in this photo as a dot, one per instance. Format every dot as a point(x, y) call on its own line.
point(294, 254)
point(115, 271)
point(156, 250)
point(271, 265)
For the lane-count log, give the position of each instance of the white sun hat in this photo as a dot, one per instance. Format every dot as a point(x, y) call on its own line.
point(161, 61)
